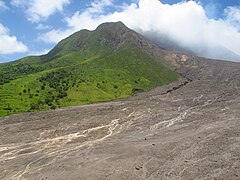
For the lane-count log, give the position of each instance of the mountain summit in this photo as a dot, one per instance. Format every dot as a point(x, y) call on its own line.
point(108, 63)
point(107, 37)
point(171, 132)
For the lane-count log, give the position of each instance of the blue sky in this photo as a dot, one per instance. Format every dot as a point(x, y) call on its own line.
point(33, 27)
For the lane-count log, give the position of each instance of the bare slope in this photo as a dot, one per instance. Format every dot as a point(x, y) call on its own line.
point(186, 130)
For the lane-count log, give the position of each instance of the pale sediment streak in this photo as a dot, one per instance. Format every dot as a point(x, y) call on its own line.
point(182, 115)
point(54, 153)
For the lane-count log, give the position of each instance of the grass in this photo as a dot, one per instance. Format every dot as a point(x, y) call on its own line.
point(67, 76)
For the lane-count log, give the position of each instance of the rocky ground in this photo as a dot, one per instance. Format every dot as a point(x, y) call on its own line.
point(186, 130)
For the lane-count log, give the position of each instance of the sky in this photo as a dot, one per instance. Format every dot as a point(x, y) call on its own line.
point(209, 28)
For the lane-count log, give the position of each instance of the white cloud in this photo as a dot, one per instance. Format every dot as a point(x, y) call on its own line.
point(38, 53)
point(185, 23)
point(3, 5)
point(9, 44)
point(18, 2)
point(98, 6)
point(38, 10)
point(233, 15)
point(54, 36)
point(42, 27)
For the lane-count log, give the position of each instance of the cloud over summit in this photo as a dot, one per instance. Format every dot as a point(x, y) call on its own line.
point(185, 24)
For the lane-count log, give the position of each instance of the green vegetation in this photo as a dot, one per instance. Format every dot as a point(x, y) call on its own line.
point(79, 70)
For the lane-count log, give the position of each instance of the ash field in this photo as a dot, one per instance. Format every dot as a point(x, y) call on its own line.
point(189, 129)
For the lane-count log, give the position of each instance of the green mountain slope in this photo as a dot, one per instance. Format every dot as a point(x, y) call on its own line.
point(87, 67)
